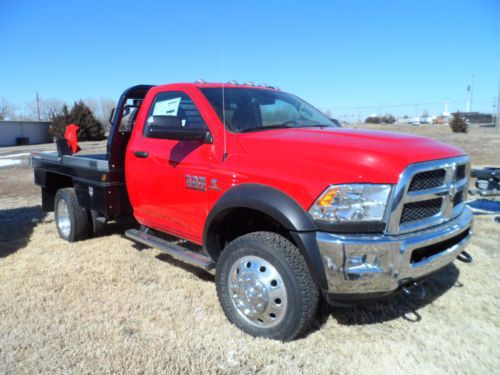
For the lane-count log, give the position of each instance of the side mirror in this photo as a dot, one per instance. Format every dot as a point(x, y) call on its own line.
point(170, 127)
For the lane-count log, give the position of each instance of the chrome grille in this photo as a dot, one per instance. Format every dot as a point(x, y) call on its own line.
point(428, 194)
point(427, 180)
point(421, 210)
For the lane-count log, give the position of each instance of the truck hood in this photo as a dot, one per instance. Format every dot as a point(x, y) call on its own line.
point(360, 155)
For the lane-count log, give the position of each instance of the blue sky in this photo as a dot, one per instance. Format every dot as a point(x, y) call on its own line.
point(382, 55)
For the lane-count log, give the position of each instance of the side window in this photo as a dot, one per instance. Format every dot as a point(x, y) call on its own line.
point(177, 103)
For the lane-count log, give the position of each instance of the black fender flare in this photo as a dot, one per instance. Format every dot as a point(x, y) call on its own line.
point(277, 205)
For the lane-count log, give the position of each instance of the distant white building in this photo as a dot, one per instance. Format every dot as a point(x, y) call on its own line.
point(23, 132)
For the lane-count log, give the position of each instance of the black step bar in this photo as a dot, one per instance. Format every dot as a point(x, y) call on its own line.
point(176, 251)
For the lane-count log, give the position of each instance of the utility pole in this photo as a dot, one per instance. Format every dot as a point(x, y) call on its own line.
point(498, 109)
point(471, 92)
point(38, 105)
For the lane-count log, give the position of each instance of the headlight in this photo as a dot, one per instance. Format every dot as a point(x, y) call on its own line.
point(351, 203)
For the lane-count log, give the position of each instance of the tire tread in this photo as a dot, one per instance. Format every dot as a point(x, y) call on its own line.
point(309, 294)
point(78, 215)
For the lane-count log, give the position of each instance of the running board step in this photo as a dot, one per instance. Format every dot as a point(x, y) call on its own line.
point(176, 251)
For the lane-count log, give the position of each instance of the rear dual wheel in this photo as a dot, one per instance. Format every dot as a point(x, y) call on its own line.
point(71, 219)
point(75, 223)
point(265, 288)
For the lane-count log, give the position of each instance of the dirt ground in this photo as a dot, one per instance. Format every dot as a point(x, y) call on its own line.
point(106, 306)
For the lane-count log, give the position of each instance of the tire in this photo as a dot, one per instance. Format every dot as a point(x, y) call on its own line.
point(71, 220)
point(98, 228)
point(262, 274)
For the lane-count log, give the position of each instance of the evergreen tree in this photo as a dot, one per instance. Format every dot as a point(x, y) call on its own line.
point(81, 115)
point(90, 128)
point(59, 121)
point(388, 119)
point(458, 124)
point(373, 120)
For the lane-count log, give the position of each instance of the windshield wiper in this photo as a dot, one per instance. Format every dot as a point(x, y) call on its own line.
point(284, 126)
point(269, 127)
point(318, 126)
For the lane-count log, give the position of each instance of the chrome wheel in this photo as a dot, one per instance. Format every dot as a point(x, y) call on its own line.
point(62, 218)
point(257, 291)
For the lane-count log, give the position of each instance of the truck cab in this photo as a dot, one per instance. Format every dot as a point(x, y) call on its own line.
point(277, 200)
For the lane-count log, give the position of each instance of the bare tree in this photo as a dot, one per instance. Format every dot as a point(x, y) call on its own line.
point(27, 111)
point(50, 108)
point(101, 109)
point(93, 105)
point(7, 110)
point(105, 108)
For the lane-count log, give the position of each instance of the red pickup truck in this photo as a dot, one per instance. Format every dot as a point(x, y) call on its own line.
point(262, 189)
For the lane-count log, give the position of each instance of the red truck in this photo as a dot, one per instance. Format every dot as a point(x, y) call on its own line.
point(262, 189)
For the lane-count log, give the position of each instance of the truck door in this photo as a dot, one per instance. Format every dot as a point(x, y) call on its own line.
point(166, 178)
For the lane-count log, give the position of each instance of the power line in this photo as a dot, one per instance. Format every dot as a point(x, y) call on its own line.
point(419, 104)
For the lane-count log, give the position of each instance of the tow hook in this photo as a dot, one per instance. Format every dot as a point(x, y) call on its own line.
point(465, 257)
point(414, 290)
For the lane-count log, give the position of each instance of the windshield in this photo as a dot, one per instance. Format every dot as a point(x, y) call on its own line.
point(250, 109)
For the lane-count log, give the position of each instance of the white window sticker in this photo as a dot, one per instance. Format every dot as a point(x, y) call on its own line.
point(168, 107)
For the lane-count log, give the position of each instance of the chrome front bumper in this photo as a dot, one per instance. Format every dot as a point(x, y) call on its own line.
point(365, 264)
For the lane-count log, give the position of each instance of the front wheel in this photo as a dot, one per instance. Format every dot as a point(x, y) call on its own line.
point(265, 288)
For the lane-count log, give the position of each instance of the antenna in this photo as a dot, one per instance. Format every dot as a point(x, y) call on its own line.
point(224, 154)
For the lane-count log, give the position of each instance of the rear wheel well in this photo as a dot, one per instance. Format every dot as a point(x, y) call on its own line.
point(238, 222)
point(53, 182)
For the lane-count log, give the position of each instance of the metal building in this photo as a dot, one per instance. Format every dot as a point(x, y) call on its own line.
point(23, 132)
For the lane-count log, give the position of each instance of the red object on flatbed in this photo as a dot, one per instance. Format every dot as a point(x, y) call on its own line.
point(70, 134)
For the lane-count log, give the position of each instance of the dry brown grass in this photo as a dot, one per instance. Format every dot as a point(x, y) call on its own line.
point(105, 306)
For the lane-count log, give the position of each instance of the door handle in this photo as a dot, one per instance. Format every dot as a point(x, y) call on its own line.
point(141, 154)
